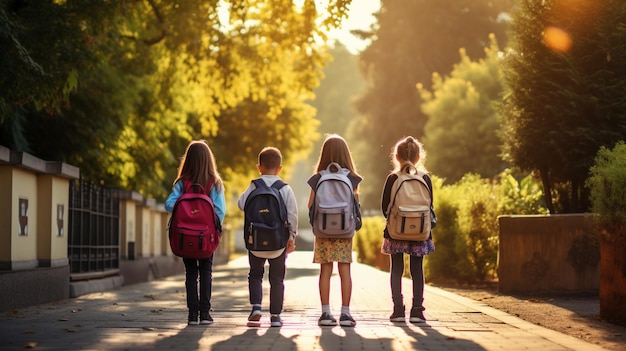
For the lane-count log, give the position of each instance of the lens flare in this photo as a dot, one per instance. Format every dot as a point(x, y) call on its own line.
point(557, 39)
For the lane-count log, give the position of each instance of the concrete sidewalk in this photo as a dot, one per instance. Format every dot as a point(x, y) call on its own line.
point(153, 316)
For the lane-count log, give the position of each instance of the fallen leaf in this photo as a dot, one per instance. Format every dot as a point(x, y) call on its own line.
point(63, 319)
point(13, 313)
point(69, 330)
point(149, 328)
point(30, 345)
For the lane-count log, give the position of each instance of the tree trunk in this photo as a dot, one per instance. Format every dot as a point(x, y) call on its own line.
point(547, 190)
point(613, 276)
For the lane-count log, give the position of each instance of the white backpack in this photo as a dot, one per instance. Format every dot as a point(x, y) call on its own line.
point(409, 211)
point(334, 212)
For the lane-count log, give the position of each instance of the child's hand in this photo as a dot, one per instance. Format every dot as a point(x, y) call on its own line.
point(291, 246)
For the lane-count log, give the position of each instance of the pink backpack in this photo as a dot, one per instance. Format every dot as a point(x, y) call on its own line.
point(194, 228)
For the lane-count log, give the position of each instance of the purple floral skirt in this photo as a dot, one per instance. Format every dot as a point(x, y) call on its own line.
point(413, 248)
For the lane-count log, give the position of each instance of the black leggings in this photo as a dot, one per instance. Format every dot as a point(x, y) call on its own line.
point(417, 275)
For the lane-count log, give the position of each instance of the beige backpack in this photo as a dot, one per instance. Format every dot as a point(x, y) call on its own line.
point(409, 211)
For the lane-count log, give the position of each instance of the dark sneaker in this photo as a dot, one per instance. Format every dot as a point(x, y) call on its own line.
point(193, 318)
point(346, 320)
point(327, 320)
point(275, 321)
point(205, 318)
point(417, 316)
point(398, 314)
point(254, 319)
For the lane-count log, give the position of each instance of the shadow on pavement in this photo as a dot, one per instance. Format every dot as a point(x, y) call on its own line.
point(422, 336)
point(254, 339)
point(187, 338)
point(347, 338)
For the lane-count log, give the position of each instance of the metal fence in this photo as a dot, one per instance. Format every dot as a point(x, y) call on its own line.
point(93, 232)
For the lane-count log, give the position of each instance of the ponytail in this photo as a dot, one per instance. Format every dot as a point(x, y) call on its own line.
point(408, 151)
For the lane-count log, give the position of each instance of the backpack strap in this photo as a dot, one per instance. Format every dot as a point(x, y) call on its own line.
point(191, 187)
point(279, 184)
point(422, 176)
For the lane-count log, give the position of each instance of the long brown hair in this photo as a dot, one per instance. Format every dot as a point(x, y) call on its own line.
point(198, 165)
point(335, 149)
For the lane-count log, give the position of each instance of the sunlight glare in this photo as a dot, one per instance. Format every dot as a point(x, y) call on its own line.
point(557, 39)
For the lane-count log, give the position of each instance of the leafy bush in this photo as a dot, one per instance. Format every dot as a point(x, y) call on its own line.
point(608, 186)
point(368, 240)
point(443, 262)
point(476, 242)
point(520, 197)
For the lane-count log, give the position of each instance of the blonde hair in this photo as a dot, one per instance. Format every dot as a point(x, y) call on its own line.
point(198, 165)
point(335, 149)
point(408, 150)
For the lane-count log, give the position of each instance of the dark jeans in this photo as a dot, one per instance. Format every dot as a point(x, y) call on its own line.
point(203, 269)
point(417, 275)
point(276, 276)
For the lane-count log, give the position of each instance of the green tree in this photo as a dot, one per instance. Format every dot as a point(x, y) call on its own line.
point(412, 40)
point(149, 76)
point(562, 104)
point(461, 130)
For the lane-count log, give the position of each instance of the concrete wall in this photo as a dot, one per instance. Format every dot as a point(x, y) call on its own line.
point(548, 254)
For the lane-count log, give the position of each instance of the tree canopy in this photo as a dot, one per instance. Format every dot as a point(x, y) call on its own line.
point(119, 88)
point(462, 126)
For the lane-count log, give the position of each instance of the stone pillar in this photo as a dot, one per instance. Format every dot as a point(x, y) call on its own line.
point(142, 230)
point(128, 221)
point(53, 207)
point(18, 211)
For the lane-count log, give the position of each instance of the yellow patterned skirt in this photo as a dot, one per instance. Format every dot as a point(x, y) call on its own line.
point(332, 250)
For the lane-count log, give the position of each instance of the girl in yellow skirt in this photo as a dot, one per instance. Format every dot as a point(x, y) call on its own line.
point(330, 250)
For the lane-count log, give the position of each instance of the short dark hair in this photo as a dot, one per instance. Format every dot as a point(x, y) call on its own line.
point(270, 158)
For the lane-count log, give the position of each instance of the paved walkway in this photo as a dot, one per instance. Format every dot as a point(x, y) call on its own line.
point(153, 316)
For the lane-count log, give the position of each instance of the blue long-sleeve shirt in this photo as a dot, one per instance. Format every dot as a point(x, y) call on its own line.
point(217, 196)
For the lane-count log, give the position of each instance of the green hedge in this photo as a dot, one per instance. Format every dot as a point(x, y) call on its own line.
point(368, 240)
point(608, 186)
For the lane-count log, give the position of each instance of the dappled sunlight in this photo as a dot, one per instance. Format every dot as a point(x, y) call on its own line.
point(168, 284)
point(105, 295)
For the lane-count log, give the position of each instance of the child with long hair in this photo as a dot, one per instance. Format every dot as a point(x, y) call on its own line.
point(198, 166)
point(330, 250)
point(407, 151)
